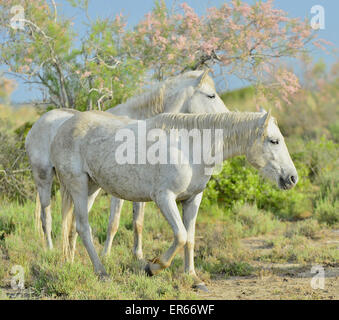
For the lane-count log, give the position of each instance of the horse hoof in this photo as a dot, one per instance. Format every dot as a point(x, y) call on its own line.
point(148, 270)
point(200, 287)
point(104, 277)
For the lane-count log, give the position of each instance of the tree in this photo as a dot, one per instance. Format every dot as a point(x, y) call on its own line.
point(111, 63)
point(249, 42)
point(44, 53)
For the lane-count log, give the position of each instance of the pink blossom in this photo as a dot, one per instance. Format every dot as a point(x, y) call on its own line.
point(86, 74)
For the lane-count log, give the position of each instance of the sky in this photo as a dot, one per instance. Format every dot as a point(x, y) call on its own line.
point(135, 10)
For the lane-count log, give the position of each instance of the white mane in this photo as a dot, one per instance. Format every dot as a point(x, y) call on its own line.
point(151, 102)
point(227, 121)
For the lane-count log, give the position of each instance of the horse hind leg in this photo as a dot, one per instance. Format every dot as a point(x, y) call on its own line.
point(37, 216)
point(113, 225)
point(44, 190)
point(72, 239)
point(138, 221)
point(67, 222)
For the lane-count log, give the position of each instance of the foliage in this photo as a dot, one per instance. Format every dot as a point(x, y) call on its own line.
point(327, 201)
point(241, 39)
point(253, 220)
point(46, 53)
point(110, 62)
point(313, 112)
point(16, 180)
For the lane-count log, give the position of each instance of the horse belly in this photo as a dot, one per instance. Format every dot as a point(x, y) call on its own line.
point(125, 182)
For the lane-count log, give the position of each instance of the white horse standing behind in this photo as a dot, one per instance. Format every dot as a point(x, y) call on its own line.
point(83, 153)
point(191, 92)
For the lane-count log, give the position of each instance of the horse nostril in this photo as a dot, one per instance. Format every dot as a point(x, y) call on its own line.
point(293, 179)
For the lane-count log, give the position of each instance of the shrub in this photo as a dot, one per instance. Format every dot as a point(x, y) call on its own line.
point(254, 221)
point(16, 181)
point(240, 183)
point(334, 130)
point(7, 226)
point(318, 156)
point(327, 211)
point(326, 202)
point(307, 228)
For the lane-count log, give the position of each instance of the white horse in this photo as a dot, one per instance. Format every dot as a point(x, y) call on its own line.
point(191, 92)
point(84, 154)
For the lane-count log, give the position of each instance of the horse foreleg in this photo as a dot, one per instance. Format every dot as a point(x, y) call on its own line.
point(166, 203)
point(138, 221)
point(73, 235)
point(190, 209)
point(113, 225)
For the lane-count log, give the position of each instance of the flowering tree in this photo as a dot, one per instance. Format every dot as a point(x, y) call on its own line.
point(247, 41)
point(241, 40)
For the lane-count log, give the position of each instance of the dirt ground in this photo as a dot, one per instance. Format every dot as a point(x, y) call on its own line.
point(278, 281)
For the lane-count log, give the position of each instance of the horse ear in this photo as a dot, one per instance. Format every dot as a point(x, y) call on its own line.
point(262, 110)
point(266, 120)
point(203, 77)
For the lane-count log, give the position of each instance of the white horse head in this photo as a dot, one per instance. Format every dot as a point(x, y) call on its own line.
point(195, 93)
point(270, 156)
point(190, 92)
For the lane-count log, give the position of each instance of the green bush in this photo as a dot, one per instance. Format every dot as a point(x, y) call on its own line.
point(240, 183)
point(327, 200)
point(7, 226)
point(254, 221)
point(327, 211)
point(16, 181)
point(318, 156)
point(307, 228)
point(334, 130)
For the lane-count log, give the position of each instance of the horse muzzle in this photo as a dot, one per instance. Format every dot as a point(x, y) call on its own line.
point(288, 182)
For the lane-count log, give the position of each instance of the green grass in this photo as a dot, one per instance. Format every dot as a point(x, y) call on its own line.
point(219, 251)
point(50, 276)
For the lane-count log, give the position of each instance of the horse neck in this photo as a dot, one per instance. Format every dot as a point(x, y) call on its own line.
point(129, 110)
point(142, 106)
point(242, 129)
point(167, 97)
point(239, 129)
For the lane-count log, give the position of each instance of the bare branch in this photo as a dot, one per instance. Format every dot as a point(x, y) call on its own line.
point(55, 11)
point(36, 27)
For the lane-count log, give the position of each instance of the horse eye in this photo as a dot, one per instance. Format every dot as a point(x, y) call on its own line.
point(211, 96)
point(274, 141)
